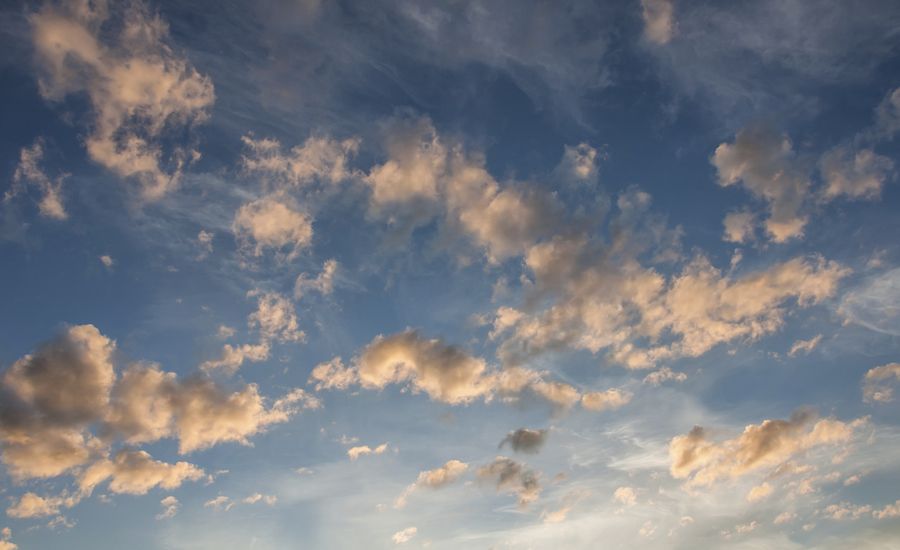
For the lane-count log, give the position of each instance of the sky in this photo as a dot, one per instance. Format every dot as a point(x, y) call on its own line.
point(470, 274)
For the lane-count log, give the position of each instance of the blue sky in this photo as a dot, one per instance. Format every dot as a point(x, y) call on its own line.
point(511, 274)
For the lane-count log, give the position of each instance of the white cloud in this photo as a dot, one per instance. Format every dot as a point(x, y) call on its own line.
point(275, 318)
point(626, 496)
point(269, 500)
point(272, 222)
point(219, 503)
point(433, 479)
point(319, 158)
point(323, 283)
point(234, 356)
point(759, 492)
point(804, 346)
point(135, 473)
point(856, 174)
point(664, 374)
point(610, 399)
point(107, 261)
point(739, 226)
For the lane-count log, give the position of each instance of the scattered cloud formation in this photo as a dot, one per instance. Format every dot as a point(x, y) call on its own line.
point(269, 500)
point(702, 462)
point(664, 374)
point(804, 346)
point(318, 159)
point(626, 496)
point(140, 90)
point(323, 282)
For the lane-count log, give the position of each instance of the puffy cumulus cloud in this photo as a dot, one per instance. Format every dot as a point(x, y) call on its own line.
point(273, 222)
point(31, 505)
point(875, 387)
point(275, 318)
point(626, 496)
point(363, 450)
point(425, 177)
point(446, 373)
point(845, 510)
point(433, 479)
point(234, 356)
point(703, 462)
point(219, 503)
point(323, 283)
point(170, 507)
point(67, 379)
point(319, 158)
point(659, 20)
point(760, 492)
point(29, 172)
point(856, 174)
point(135, 473)
point(766, 165)
point(139, 89)
point(404, 535)
point(740, 226)
point(612, 398)
point(525, 440)
point(603, 298)
point(664, 374)
point(513, 477)
point(804, 346)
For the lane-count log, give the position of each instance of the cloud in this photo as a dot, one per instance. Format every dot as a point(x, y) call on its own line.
point(433, 479)
point(759, 492)
point(234, 356)
point(405, 535)
point(170, 507)
point(135, 473)
point(512, 477)
point(610, 399)
point(140, 91)
point(888, 512)
point(578, 164)
point(269, 500)
point(220, 503)
point(272, 222)
point(664, 374)
point(626, 496)
point(29, 172)
point(525, 440)
point(5, 542)
point(766, 165)
point(804, 346)
point(318, 159)
point(363, 450)
point(784, 518)
point(31, 505)
point(323, 283)
point(659, 20)
point(703, 462)
point(856, 174)
point(740, 226)
point(205, 244)
point(275, 318)
point(333, 374)
point(887, 114)
point(444, 372)
point(871, 303)
point(107, 261)
point(875, 388)
point(569, 501)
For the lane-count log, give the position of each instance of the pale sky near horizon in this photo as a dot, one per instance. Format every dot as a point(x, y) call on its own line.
point(468, 274)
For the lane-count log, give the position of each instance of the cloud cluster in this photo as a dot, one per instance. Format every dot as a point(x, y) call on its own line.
point(64, 410)
point(139, 89)
point(659, 20)
point(318, 159)
point(702, 462)
point(273, 222)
